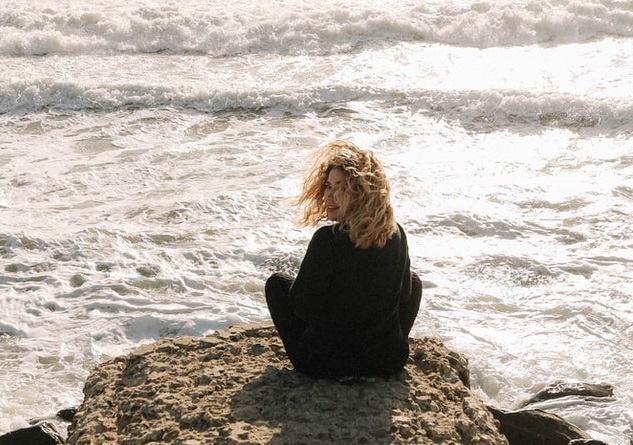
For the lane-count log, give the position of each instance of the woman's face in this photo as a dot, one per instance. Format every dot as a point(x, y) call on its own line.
point(334, 188)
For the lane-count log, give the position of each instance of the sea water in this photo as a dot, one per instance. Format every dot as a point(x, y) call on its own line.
point(150, 151)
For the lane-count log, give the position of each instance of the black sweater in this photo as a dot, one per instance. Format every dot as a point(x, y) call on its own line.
point(350, 299)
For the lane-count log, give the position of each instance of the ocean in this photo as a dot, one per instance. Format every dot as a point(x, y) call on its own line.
point(150, 151)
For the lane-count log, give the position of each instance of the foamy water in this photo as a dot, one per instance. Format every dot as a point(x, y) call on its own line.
point(148, 155)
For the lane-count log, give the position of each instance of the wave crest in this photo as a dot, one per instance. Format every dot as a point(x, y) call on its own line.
point(474, 110)
point(296, 28)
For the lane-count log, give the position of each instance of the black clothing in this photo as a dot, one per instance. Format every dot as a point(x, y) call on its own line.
point(349, 311)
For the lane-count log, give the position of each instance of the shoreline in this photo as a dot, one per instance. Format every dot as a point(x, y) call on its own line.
point(237, 386)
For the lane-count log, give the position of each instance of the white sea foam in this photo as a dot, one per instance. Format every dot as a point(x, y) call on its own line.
point(480, 108)
point(286, 27)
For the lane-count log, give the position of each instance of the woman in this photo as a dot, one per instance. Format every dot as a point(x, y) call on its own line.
point(352, 305)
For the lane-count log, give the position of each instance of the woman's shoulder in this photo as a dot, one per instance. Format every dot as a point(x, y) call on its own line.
point(331, 234)
point(398, 239)
point(324, 233)
point(398, 234)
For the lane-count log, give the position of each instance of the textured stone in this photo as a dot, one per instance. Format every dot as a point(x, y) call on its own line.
point(238, 387)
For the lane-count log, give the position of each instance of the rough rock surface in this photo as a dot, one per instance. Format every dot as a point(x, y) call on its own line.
point(238, 387)
point(536, 427)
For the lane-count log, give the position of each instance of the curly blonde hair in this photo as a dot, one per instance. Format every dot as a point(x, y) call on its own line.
point(365, 212)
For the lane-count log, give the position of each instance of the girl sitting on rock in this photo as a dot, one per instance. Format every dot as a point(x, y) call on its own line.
point(352, 305)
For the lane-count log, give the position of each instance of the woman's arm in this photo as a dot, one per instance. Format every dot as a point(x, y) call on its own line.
point(311, 288)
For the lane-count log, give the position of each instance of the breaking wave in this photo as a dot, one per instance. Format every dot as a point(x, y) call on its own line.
point(285, 27)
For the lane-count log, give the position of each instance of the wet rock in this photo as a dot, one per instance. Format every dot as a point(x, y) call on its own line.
point(67, 414)
point(536, 427)
point(587, 442)
point(564, 389)
point(44, 433)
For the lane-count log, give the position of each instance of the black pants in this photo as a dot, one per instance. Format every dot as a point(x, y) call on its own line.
point(290, 327)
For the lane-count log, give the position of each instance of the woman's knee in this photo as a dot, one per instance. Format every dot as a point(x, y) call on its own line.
point(416, 285)
point(277, 284)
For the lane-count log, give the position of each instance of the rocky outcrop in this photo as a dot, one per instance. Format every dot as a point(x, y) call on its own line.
point(238, 387)
point(44, 433)
point(536, 427)
point(566, 389)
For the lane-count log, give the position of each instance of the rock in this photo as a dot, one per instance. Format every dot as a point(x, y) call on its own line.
point(44, 433)
point(587, 442)
point(564, 389)
point(238, 387)
point(536, 427)
point(67, 414)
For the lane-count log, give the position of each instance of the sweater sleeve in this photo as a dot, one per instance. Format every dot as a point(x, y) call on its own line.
point(310, 289)
point(405, 292)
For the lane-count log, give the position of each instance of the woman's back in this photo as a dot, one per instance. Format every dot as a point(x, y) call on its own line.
point(351, 307)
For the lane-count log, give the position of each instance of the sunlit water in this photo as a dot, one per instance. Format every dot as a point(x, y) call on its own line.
point(149, 154)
